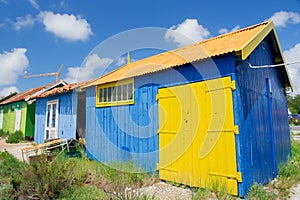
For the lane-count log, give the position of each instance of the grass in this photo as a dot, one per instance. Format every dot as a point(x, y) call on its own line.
point(81, 178)
point(74, 178)
point(288, 176)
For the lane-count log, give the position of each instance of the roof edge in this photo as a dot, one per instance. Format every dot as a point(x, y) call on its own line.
point(45, 89)
point(248, 48)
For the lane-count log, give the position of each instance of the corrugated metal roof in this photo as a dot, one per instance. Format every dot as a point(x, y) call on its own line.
point(28, 93)
point(60, 90)
point(244, 41)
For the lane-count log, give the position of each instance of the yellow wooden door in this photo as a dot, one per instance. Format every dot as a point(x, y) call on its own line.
point(197, 135)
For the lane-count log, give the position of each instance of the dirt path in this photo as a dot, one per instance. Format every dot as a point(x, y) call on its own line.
point(14, 149)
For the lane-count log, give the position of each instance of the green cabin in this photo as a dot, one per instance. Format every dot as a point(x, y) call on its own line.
point(18, 111)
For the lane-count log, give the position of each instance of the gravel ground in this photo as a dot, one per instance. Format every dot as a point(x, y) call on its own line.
point(295, 192)
point(164, 191)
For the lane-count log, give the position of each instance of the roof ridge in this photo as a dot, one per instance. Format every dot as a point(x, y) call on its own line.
point(212, 47)
point(235, 32)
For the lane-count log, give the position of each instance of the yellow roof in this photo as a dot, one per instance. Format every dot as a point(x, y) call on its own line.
point(242, 41)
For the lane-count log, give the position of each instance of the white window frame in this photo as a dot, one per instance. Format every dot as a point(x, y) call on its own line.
point(52, 131)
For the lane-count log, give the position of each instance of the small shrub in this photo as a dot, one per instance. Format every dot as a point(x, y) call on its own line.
point(44, 179)
point(9, 164)
point(15, 137)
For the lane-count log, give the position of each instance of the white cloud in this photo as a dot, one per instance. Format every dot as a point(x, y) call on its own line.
point(34, 4)
point(12, 65)
point(8, 90)
point(23, 22)
point(293, 55)
point(225, 30)
point(121, 61)
point(282, 18)
point(69, 27)
point(188, 32)
point(93, 67)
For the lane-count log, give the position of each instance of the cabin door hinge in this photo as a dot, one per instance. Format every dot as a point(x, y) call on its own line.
point(233, 85)
point(157, 97)
point(239, 177)
point(236, 130)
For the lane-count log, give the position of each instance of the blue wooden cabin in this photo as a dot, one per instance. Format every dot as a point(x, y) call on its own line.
point(60, 113)
point(208, 112)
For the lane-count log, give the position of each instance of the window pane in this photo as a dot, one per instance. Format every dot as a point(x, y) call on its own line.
point(53, 115)
point(109, 94)
point(114, 93)
point(130, 91)
point(48, 115)
point(124, 92)
point(47, 134)
point(100, 95)
point(104, 94)
point(119, 92)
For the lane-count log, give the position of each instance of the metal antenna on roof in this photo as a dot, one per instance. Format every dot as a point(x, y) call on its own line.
point(128, 58)
point(57, 74)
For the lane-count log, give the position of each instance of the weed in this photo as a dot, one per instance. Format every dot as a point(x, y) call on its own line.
point(201, 193)
point(257, 191)
point(15, 137)
point(44, 179)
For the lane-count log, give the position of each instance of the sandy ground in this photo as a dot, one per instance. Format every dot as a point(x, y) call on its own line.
point(295, 192)
point(14, 149)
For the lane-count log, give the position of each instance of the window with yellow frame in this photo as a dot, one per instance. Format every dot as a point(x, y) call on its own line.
point(115, 94)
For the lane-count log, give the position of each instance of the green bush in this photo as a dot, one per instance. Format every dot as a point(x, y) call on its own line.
point(15, 137)
point(73, 178)
point(45, 179)
point(9, 164)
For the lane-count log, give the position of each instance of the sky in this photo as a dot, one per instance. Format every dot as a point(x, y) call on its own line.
point(92, 37)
